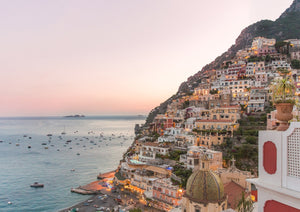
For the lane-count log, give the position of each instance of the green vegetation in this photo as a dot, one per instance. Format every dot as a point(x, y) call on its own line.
point(245, 204)
point(283, 28)
point(186, 104)
point(214, 91)
point(243, 145)
point(295, 64)
point(135, 210)
point(283, 89)
point(154, 136)
point(251, 139)
point(255, 59)
point(282, 47)
point(183, 173)
point(173, 155)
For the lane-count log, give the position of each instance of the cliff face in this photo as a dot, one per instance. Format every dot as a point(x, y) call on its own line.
point(295, 7)
point(287, 26)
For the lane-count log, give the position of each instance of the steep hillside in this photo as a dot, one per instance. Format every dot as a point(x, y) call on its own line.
point(287, 26)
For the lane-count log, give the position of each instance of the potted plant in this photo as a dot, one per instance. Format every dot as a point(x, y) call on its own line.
point(283, 90)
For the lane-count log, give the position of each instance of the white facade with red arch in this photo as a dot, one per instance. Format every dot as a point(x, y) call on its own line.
point(278, 184)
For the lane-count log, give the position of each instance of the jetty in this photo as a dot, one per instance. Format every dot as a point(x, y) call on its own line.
point(79, 190)
point(97, 186)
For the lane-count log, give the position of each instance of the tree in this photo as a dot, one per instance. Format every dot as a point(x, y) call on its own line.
point(295, 64)
point(268, 58)
point(135, 210)
point(245, 204)
point(251, 139)
point(283, 89)
point(281, 47)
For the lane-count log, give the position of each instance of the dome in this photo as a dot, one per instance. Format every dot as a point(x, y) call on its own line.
point(204, 186)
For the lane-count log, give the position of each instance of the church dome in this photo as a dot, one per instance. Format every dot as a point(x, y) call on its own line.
point(204, 186)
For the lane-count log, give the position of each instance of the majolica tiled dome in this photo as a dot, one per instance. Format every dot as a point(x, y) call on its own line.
point(204, 186)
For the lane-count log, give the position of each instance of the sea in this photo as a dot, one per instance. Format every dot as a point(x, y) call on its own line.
point(61, 153)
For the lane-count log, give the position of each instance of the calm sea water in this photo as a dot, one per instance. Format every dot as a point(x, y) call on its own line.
point(97, 144)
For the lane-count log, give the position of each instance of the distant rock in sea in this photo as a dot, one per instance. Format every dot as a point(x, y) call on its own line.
point(74, 116)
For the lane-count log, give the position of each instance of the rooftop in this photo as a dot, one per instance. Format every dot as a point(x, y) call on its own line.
point(234, 192)
point(213, 120)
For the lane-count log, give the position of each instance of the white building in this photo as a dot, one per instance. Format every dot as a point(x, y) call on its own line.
point(190, 124)
point(279, 170)
point(149, 150)
point(173, 131)
point(165, 138)
point(280, 64)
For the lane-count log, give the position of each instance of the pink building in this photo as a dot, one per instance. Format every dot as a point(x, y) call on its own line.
point(265, 50)
point(166, 193)
point(162, 122)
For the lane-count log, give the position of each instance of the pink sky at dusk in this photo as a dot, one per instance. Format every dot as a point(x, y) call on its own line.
point(113, 56)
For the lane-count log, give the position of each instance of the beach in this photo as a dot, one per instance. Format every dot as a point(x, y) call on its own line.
point(106, 198)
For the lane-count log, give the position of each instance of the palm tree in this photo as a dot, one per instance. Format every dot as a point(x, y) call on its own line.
point(245, 204)
point(283, 89)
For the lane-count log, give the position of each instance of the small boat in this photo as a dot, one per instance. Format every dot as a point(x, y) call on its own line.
point(49, 135)
point(78, 153)
point(37, 185)
point(29, 147)
point(17, 144)
point(10, 203)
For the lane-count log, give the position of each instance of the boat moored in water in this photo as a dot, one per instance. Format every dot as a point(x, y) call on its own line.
point(37, 185)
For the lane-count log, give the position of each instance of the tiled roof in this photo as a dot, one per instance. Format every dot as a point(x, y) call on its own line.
point(150, 144)
point(234, 192)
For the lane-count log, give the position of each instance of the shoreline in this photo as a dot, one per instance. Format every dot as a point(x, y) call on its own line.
point(94, 189)
point(105, 199)
point(102, 198)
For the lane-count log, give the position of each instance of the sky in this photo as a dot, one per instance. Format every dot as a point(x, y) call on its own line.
point(100, 57)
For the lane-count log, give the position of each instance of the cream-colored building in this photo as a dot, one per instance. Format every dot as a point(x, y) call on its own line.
point(211, 124)
point(225, 113)
point(195, 153)
point(235, 175)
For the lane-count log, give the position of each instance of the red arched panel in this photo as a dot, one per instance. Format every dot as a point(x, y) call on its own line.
point(274, 206)
point(270, 157)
